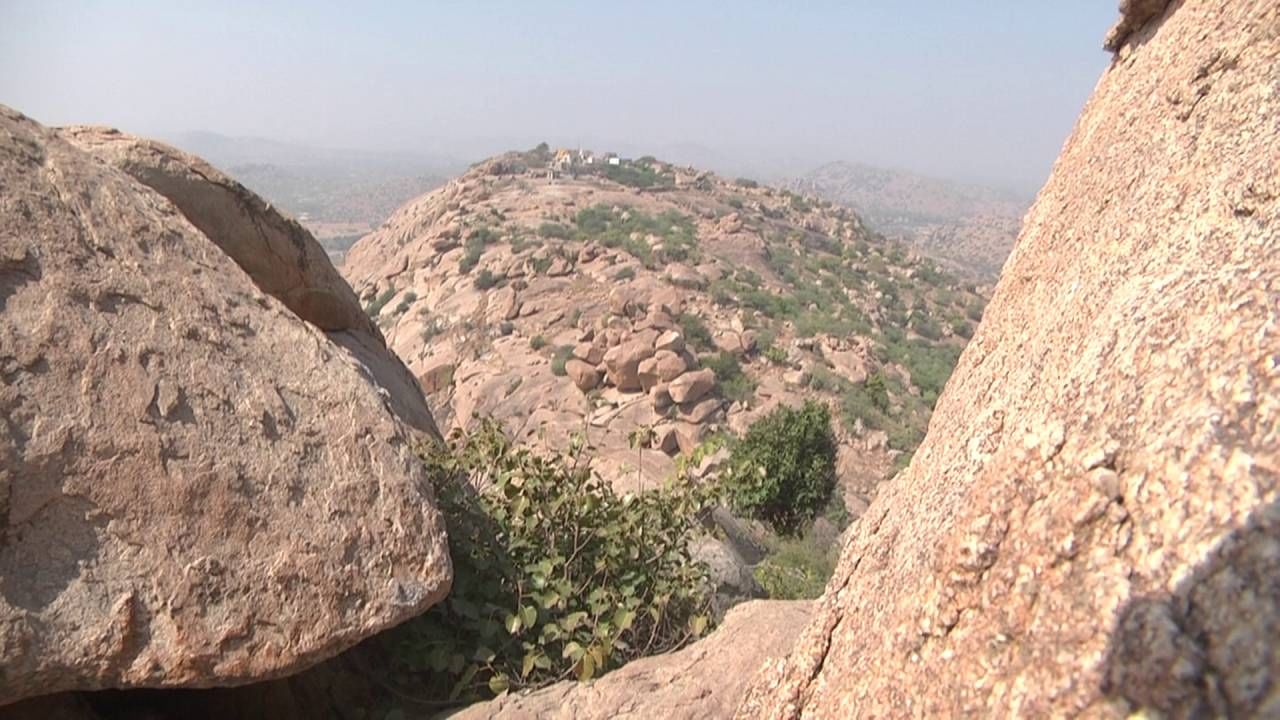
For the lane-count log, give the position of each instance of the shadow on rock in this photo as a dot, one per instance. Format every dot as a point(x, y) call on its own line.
point(1212, 647)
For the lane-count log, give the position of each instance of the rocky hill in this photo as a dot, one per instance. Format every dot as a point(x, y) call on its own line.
point(967, 228)
point(610, 300)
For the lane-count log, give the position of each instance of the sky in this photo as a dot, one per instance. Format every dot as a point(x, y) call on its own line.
point(980, 91)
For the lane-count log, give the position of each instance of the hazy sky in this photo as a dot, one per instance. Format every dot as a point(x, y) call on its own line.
point(967, 89)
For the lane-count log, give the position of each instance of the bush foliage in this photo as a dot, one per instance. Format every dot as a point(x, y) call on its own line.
point(782, 471)
point(555, 576)
point(796, 569)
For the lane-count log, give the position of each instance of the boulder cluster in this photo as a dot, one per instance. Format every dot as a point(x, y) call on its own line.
point(639, 349)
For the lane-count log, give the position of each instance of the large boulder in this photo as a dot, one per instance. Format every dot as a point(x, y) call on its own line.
point(622, 363)
point(197, 487)
point(277, 253)
point(701, 682)
point(692, 386)
point(1091, 526)
point(584, 375)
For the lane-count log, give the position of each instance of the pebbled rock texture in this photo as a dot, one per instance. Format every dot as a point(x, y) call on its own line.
point(1091, 525)
point(278, 254)
point(196, 487)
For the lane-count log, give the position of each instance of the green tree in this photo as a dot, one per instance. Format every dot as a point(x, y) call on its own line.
point(782, 471)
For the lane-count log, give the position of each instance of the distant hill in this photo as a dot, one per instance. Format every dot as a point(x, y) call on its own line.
point(968, 228)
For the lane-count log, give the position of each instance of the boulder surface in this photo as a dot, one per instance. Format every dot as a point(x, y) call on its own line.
point(197, 487)
point(700, 682)
point(1091, 525)
point(277, 253)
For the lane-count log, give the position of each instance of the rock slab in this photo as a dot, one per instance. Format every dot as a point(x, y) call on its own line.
point(1091, 526)
point(700, 682)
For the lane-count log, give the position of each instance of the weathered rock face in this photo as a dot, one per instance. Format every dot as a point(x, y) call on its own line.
point(704, 680)
point(1091, 525)
point(196, 487)
point(278, 254)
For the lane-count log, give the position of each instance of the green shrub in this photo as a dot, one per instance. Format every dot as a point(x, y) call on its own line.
point(695, 332)
point(635, 175)
point(975, 309)
point(746, 183)
point(559, 358)
point(375, 306)
point(474, 247)
point(537, 342)
point(625, 273)
point(555, 576)
point(962, 329)
point(406, 300)
point(796, 569)
point(926, 327)
point(553, 230)
point(486, 279)
point(734, 384)
point(782, 471)
point(541, 265)
point(775, 355)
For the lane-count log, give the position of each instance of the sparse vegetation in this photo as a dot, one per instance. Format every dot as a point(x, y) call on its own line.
point(559, 358)
point(485, 279)
point(796, 568)
point(628, 229)
point(406, 301)
point(537, 342)
point(734, 384)
point(474, 248)
point(374, 308)
point(555, 576)
point(775, 355)
point(554, 230)
point(696, 334)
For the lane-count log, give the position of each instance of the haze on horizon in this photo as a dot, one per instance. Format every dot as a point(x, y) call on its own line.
point(982, 92)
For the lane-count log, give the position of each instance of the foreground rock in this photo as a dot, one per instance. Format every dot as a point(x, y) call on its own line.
point(197, 487)
point(704, 680)
point(1091, 525)
point(277, 253)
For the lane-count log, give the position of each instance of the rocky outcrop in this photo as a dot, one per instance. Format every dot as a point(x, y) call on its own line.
point(1091, 525)
point(277, 253)
point(1133, 15)
point(196, 487)
point(704, 680)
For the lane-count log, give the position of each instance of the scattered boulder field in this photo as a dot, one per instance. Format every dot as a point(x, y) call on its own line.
point(567, 299)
